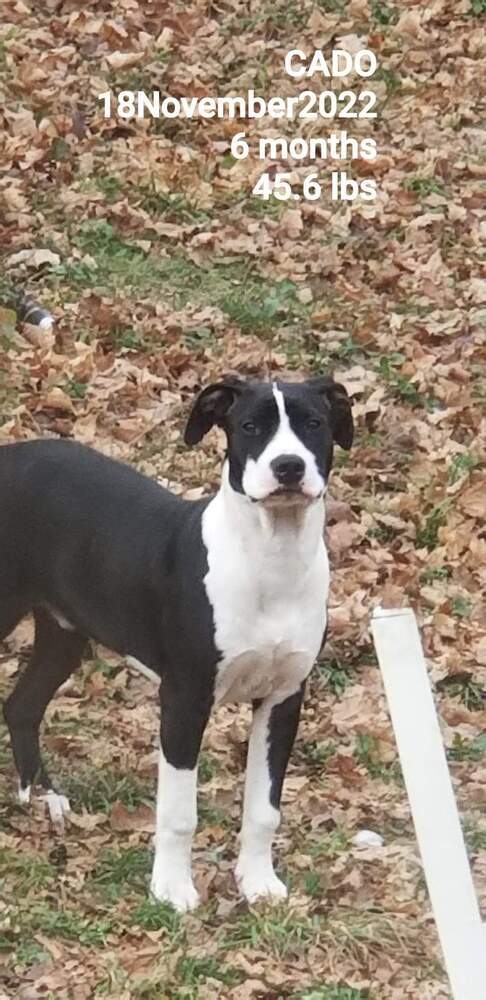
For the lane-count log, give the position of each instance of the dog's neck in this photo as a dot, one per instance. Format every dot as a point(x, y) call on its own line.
point(273, 529)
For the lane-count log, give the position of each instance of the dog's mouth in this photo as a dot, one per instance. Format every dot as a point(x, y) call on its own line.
point(285, 490)
point(288, 495)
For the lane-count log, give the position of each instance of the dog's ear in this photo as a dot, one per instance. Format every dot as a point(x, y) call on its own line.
point(339, 406)
point(211, 407)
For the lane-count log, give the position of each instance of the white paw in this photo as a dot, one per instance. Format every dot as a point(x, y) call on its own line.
point(259, 883)
point(57, 806)
point(177, 890)
point(24, 795)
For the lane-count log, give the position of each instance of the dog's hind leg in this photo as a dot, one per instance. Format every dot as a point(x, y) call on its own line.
point(56, 654)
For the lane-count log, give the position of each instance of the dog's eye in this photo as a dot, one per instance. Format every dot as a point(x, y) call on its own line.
point(313, 424)
point(249, 427)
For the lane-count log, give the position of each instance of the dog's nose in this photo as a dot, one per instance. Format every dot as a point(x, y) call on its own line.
point(288, 469)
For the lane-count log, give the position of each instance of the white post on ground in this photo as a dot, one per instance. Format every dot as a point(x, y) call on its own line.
point(462, 934)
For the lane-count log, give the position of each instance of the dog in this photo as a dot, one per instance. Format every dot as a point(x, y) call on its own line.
point(223, 598)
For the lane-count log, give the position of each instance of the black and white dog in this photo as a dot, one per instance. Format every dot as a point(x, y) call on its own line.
point(223, 598)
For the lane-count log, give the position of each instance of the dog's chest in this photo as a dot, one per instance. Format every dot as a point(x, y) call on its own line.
point(269, 611)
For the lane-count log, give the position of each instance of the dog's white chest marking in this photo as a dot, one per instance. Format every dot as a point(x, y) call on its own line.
point(267, 583)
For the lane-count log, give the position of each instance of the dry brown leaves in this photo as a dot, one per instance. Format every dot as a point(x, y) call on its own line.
point(392, 295)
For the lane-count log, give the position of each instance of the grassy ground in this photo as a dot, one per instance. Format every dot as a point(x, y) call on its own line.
point(163, 271)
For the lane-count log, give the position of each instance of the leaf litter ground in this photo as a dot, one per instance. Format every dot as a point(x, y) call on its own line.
point(163, 272)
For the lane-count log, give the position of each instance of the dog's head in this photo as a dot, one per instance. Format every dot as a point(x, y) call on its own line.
point(280, 435)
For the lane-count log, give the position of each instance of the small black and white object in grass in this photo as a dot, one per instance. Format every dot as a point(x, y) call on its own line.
point(29, 311)
point(223, 598)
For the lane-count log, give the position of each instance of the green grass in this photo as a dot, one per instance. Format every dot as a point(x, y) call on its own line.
point(116, 264)
point(302, 352)
point(75, 389)
point(119, 871)
point(259, 208)
point(261, 308)
point(387, 363)
point(401, 386)
point(346, 350)
point(407, 391)
point(472, 695)
point(70, 925)
point(109, 186)
point(172, 207)
point(55, 922)
point(461, 606)
point(135, 78)
point(282, 932)
point(155, 988)
point(335, 675)
point(112, 264)
point(26, 871)
point(465, 688)
point(367, 753)
point(153, 916)
point(332, 6)
point(475, 838)
point(277, 17)
point(98, 236)
point(207, 767)
point(464, 750)
point(211, 814)
point(383, 14)
point(331, 845)
point(97, 789)
point(427, 534)
point(247, 298)
point(199, 338)
point(423, 186)
point(461, 465)
point(391, 79)
point(29, 952)
point(121, 337)
point(190, 971)
point(383, 533)
point(436, 573)
point(313, 884)
point(19, 944)
point(316, 753)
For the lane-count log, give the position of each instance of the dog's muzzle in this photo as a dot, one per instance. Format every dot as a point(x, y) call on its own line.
point(289, 470)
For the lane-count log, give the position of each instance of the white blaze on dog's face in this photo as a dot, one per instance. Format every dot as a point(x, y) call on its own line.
point(280, 435)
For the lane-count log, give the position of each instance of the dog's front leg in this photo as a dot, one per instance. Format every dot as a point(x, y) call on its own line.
point(176, 819)
point(182, 727)
point(271, 740)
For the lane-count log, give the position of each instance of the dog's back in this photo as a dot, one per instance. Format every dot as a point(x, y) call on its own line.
point(72, 522)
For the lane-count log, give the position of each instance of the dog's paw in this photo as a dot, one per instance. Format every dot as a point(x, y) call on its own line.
point(167, 887)
point(24, 795)
point(57, 806)
point(260, 883)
